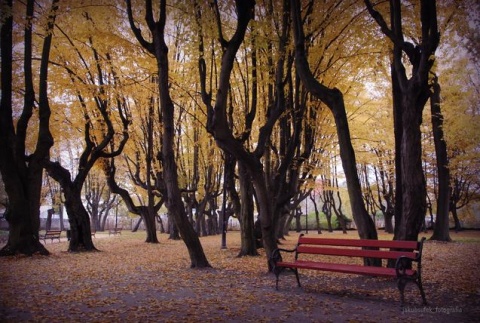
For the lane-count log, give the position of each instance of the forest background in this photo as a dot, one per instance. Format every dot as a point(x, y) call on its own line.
point(86, 105)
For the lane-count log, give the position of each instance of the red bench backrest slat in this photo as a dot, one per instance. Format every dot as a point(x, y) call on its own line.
point(354, 252)
point(398, 244)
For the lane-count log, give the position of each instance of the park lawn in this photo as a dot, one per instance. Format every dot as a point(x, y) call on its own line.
point(130, 280)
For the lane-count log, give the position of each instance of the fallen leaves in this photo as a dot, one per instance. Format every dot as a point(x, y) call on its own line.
point(130, 280)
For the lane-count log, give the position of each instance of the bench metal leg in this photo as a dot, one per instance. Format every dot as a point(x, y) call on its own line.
point(403, 281)
point(422, 292)
point(295, 270)
point(277, 271)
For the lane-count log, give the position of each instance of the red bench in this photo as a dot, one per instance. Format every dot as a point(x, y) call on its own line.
point(404, 252)
point(51, 234)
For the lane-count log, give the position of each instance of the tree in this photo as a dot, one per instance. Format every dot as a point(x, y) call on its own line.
point(174, 203)
point(222, 127)
point(410, 94)
point(460, 77)
point(95, 83)
point(21, 170)
point(334, 100)
point(242, 201)
point(144, 169)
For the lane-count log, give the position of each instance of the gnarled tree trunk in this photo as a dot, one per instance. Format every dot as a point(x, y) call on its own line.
point(80, 229)
point(22, 173)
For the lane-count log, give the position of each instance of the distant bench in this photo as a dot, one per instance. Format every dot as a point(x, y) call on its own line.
point(115, 231)
point(404, 252)
point(51, 234)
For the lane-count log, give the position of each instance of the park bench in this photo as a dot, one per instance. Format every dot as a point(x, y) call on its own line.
point(315, 254)
point(52, 234)
point(115, 231)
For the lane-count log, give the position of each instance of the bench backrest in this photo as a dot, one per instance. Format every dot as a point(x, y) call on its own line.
point(53, 232)
point(384, 249)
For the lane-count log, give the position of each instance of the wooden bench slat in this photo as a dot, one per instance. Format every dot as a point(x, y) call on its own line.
point(412, 245)
point(355, 252)
point(344, 268)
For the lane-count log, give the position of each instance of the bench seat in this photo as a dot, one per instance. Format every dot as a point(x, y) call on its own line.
point(345, 268)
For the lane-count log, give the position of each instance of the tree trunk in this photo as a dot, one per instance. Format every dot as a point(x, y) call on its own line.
point(148, 214)
point(441, 230)
point(173, 233)
point(328, 215)
point(458, 226)
point(398, 133)
point(22, 238)
point(48, 223)
point(413, 180)
point(80, 229)
point(388, 220)
point(60, 214)
point(137, 225)
point(248, 245)
point(265, 215)
point(160, 223)
point(174, 201)
point(22, 174)
point(298, 225)
point(80, 232)
point(285, 221)
point(229, 169)
point(317, 213)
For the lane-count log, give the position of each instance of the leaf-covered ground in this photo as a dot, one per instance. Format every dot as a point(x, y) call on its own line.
point(132, 281)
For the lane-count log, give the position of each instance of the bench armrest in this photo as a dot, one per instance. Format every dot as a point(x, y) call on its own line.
point(276, 254)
